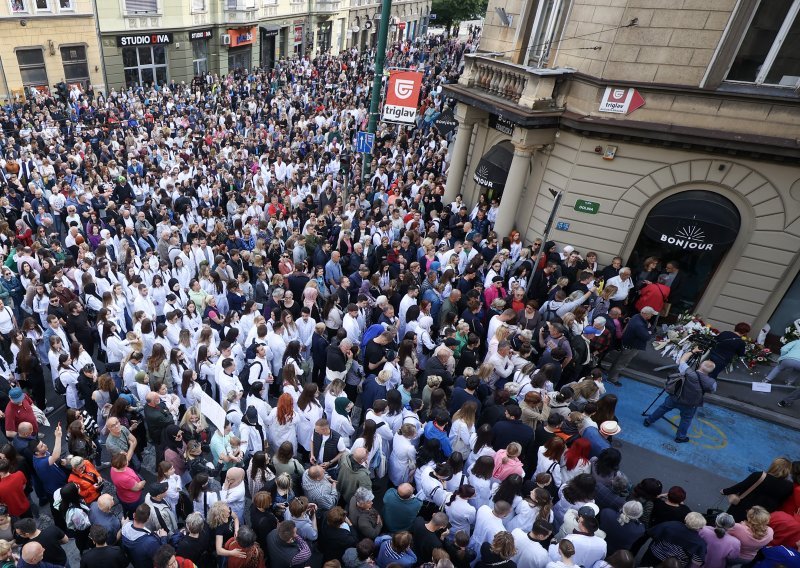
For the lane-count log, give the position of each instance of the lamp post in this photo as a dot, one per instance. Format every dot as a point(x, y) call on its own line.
point(557, 196)
point(380, 58)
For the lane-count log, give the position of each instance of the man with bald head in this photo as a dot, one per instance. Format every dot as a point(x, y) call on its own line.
point(400, 508)
point(354, 473)
point(101, 513)
point(32, 557)
point(320, 488)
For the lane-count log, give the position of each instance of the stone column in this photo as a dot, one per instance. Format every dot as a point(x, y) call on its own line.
point(466, 116)
point(515, 183)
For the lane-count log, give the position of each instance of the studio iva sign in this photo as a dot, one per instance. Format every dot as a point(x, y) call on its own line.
point(688, 237)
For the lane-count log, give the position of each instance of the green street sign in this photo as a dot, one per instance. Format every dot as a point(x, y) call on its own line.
point(587, 206)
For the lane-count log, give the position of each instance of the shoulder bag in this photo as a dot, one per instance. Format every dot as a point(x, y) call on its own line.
point(735, 499)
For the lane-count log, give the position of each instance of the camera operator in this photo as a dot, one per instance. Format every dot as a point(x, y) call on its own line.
point(686, 393)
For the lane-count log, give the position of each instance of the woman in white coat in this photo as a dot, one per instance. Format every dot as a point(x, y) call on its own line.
point(68, 376)
point(310, 410)
point(255, 398)
point(460, 512)
point(402, 459)
point(283, 422)
point(340, 419)
point(463, 428)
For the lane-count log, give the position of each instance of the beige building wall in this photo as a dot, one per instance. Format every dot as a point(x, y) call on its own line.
point(761, 263)
point(48, 30)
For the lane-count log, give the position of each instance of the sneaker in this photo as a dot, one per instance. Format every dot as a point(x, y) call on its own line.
point(682, 440)
point(647, 423)
point(784, 404)
point(765, 381)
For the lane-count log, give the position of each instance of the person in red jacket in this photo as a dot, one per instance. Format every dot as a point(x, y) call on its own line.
point(12, 491)
point(653, 295)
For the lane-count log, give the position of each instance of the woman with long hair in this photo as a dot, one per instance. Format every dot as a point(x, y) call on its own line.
point(462, 429)
point(310, 410)
point(768, 489)
point(165, 473)
point(574, 495)
point(291, 385)
point(259, 475)
point(576, 460)
point(69, 504)
point(481, 445)
point(283, 422)
point(480, 477)
point(537, 505)
point(753, 533)
point(158, 364)
point(31, 373)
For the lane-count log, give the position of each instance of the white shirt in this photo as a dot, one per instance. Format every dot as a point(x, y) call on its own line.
point(623, 287)
point(530, 554)
point(588, 549)
point(461, 515)
point(486, 526)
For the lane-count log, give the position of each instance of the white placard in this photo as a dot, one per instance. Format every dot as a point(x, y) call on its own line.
point(762, 387)
point(213, 412)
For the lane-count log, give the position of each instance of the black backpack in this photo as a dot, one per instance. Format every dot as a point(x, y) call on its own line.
point(244, 374)
point(184, 507)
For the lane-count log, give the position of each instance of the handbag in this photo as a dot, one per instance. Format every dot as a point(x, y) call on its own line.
point(735, 499)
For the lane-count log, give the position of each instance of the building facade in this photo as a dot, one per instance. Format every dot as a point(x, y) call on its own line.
point(163, 40)
point(669, 128)
point(47, 42)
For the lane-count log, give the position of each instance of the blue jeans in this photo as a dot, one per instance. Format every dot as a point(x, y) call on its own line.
point(687, 414)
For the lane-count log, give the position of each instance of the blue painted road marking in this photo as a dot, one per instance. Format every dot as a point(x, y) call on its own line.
point(723, 442)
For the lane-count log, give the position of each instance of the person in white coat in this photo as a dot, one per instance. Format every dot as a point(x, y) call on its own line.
point(255, 398)
point(537, 505)
point(488, 522)
point(530, 551)
point(402, 459)
point(283, 421)
point(251, 433)
point(431, 486)
point(460, 512)
point(463, 428)
point(309, 410)
point(68, 376)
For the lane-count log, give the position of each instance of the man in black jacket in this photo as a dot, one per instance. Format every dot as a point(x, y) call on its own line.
point(512, 429)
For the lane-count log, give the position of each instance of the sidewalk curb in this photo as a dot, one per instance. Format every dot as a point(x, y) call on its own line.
point(741, 406)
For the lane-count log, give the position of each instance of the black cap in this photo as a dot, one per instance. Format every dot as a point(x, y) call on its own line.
point(157, 489)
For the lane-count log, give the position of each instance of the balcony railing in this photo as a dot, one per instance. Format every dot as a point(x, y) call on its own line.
point(535, 89)
point(327, 6)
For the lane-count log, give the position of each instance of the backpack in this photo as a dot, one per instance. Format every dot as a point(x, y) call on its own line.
point(674, 384)
point(244, 374)
point(550, 315)
point(250, 352)
point(184, 507)
point(59, 387)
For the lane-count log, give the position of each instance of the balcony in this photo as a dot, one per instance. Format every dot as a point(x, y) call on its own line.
point(241, 12)
point(515, 85)
point(327, 6)
point(298, 7)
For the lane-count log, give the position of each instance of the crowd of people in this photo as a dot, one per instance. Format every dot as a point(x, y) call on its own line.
point(270, 358)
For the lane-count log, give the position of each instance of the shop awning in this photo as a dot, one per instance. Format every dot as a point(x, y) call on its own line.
point(694, 219)
point(270, 31)
point(492, 170)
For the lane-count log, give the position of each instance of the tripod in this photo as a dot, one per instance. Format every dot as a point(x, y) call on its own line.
point(693, 361)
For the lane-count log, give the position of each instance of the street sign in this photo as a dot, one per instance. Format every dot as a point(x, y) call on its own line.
point(584, 206)
point(562, 226)
point(364, 142)
point(401, 25)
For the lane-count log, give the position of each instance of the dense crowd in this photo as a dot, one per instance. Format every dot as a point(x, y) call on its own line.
point(269, 358)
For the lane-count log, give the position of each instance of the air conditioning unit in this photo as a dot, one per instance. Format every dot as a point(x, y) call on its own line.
point(225, 39)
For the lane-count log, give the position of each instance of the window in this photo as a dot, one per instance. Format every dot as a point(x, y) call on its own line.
point(768, 53)
point(241, 4)
point(198, 5)
point(42, 5)
point(141, 6)
point(31, 67)
point(19, 6)
point(65, 5)
point(200, 57)
point(144, 65)
point(546, 26)
point(76, 68)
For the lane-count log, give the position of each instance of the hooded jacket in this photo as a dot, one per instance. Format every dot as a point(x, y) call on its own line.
point(140, 545)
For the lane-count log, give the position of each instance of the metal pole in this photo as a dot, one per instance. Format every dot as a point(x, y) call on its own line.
point(380, 58)
point(547, 228)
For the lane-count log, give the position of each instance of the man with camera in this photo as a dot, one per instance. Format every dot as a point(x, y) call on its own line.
point(686, 393)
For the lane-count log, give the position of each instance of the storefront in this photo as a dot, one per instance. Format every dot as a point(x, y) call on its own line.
point(692, 231)
point(199, 40)
point(297, 37)
point(269, 43)
point(240, 49)
point(144, 58)
point(492, 169)
point(324, 35)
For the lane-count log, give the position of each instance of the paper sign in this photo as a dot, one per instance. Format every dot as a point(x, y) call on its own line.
point(212, 411)
point(762, 387)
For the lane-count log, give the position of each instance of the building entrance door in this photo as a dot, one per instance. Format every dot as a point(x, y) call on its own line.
point(689, 233)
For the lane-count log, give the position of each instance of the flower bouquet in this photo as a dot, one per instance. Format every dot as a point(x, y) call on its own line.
point(792, 333)
point(755, 354)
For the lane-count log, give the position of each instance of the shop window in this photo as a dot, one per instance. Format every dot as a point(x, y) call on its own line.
point(18, 6)
point(144, 65)
point(141, 6)
point(768, 54)
point(546, 28)
point(76, 68)
point(31, 67)
point(200, 57)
